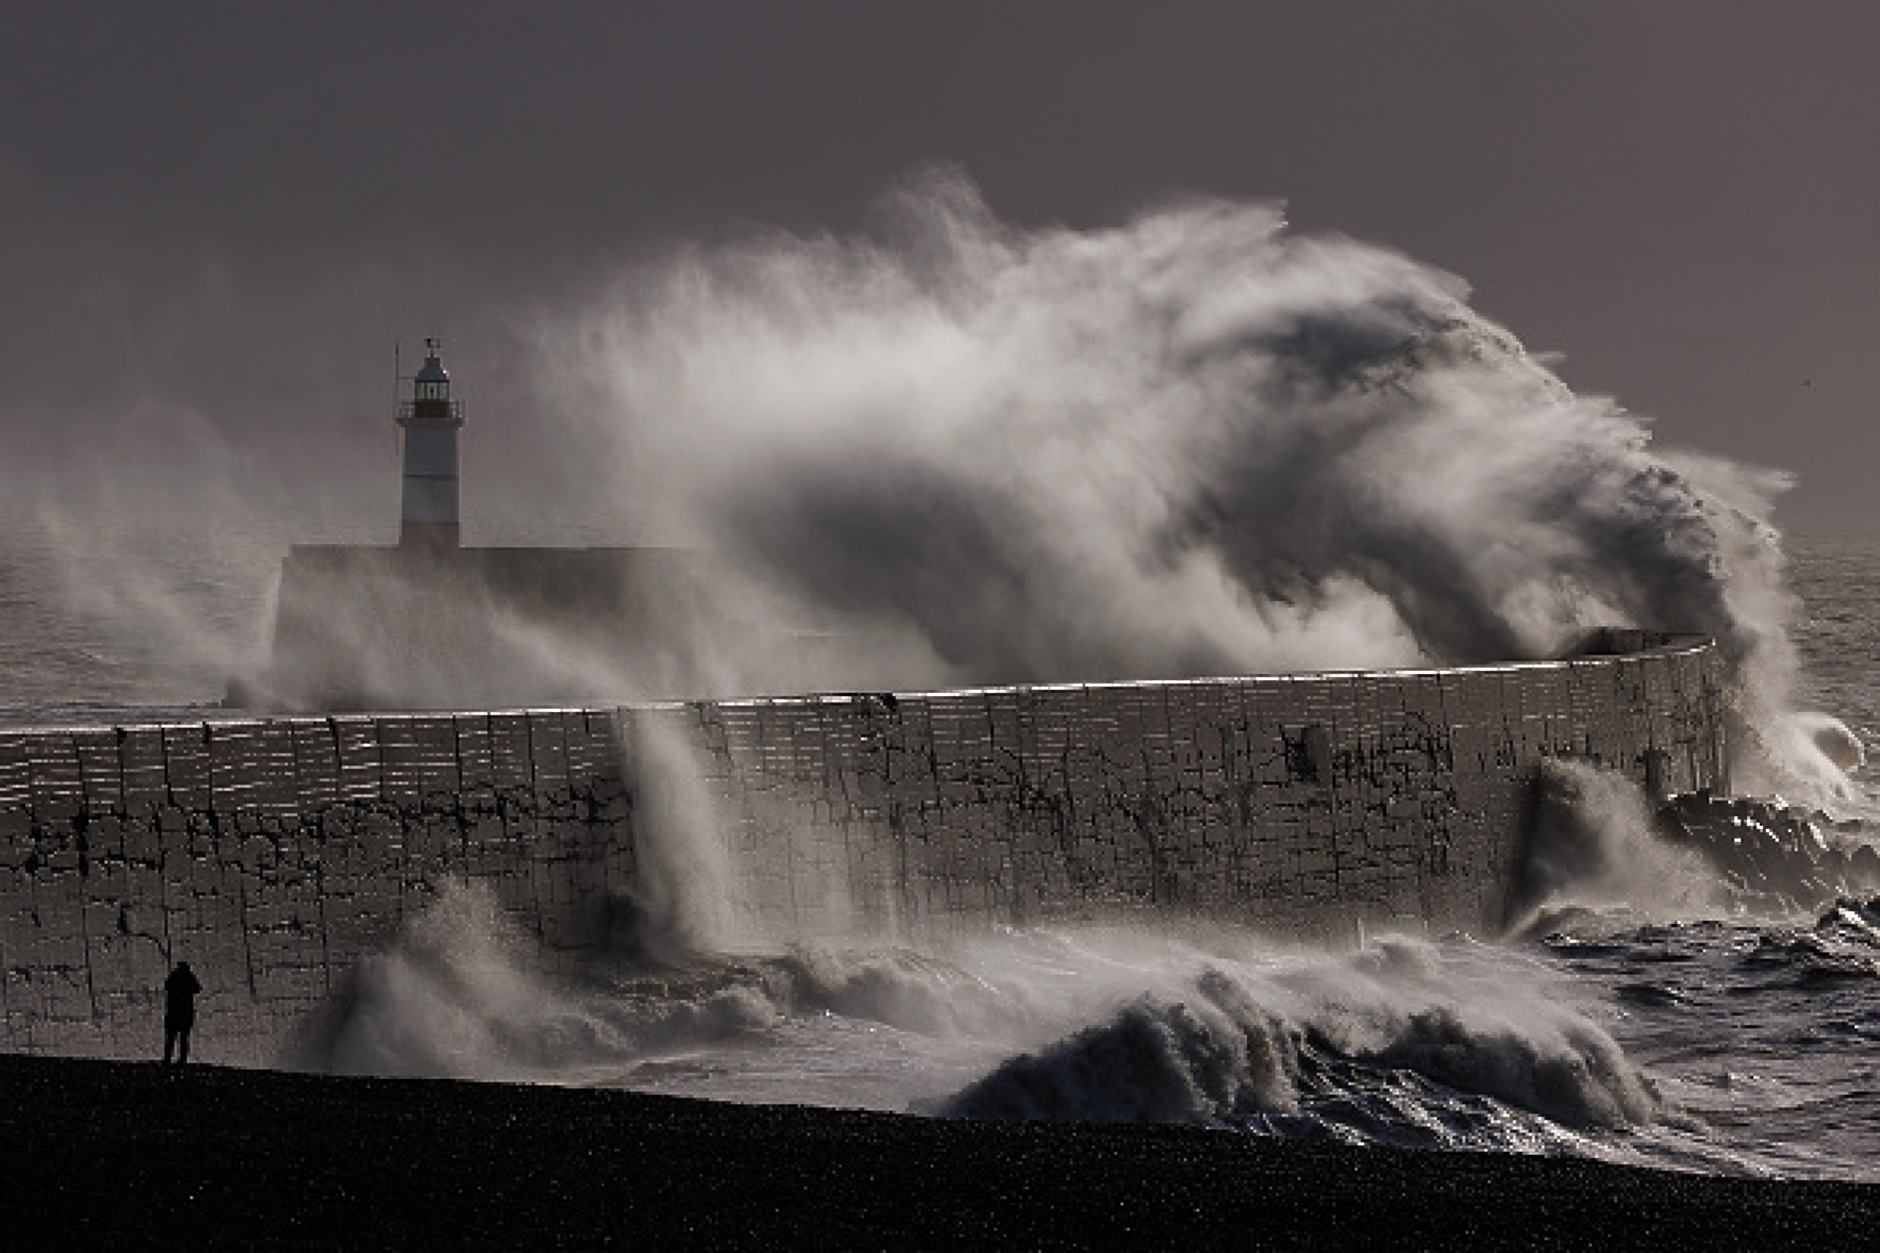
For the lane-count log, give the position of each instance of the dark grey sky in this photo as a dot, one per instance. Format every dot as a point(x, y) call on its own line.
point(217, 218)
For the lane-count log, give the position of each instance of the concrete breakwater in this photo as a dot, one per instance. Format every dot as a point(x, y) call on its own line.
point(275, 854)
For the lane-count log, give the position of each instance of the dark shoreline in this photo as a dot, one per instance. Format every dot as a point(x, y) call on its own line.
point(115, 1153)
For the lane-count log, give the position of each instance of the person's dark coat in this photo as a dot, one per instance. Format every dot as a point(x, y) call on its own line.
point(179, 992)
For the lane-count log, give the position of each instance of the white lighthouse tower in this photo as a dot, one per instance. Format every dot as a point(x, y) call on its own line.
point(431, 419)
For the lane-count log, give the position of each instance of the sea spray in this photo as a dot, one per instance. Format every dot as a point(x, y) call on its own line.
point(463, 992)
point(716, 868)
point(1453, 1045)
point(1389, 1044)
point(689, 893)
point(1193, 443)
point(456, 995)
point(1594, 842)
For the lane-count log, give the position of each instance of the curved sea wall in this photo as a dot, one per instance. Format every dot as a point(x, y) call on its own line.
point(275, 854)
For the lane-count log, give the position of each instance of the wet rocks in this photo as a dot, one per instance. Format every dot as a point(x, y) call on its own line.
point(1773, 856)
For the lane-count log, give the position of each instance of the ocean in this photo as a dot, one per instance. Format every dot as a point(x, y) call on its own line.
point(1671, 1022)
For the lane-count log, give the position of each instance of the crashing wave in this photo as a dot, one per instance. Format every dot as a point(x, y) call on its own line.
point(1394, 1051)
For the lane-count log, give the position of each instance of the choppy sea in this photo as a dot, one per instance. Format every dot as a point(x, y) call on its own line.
point(1728, 1037)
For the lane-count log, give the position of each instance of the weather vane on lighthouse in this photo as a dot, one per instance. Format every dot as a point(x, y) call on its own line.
point(430, 418)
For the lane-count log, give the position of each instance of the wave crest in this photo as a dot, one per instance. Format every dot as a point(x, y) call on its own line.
point(1194, 443)
point(1333, 1053)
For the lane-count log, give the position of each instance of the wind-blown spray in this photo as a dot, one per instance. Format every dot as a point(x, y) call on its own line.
point(1195, 443)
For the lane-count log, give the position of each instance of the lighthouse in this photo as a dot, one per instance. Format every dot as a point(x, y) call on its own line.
point(430, 418)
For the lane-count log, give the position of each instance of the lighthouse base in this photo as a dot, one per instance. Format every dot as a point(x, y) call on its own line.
point(436, 627)
point(430, 536)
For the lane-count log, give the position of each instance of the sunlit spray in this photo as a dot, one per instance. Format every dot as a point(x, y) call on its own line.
point(1593, 844)
point(1194, 443)
point(689, 892)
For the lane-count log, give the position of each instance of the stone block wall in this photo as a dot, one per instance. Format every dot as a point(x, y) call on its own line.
point(275, 854)
point(1314, 806)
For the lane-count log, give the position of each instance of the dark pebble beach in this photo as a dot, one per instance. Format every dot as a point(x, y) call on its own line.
point(114, 1154)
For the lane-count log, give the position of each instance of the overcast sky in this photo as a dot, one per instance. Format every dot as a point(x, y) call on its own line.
point(215, 220)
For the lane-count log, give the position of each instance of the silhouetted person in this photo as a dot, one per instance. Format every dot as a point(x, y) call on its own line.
point(179, 1012)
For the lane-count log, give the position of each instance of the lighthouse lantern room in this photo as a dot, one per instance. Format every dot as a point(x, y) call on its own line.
point(430, 419)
